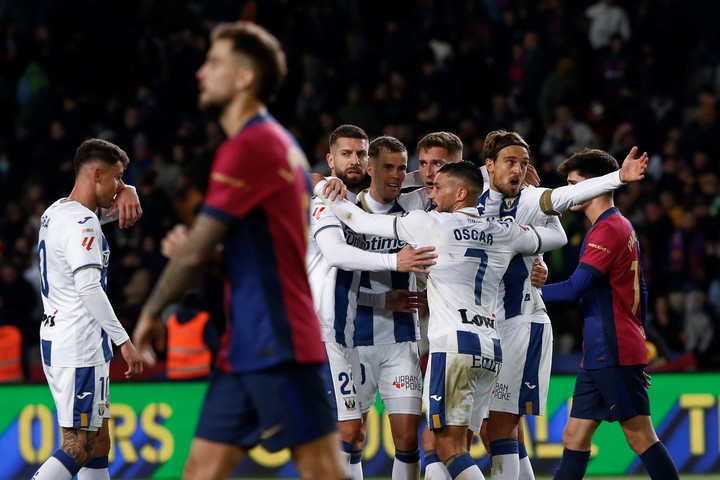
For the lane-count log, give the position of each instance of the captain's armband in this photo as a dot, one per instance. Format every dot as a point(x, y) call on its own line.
point(546, 203)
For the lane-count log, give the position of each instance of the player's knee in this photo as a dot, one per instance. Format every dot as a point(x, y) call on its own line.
point(351, 432)
point(641, 441)
point(405, 439)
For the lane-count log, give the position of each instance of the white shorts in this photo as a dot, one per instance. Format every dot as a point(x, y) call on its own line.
point(394, 370)
point(81, 394)
point(522, 385)
point(456, 384)
point(343, 372)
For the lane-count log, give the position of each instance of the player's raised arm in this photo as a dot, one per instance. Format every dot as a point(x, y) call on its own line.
point(554, 201)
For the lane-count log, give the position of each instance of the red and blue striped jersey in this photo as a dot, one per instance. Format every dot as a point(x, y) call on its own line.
point(259, 186)
point(613, 326)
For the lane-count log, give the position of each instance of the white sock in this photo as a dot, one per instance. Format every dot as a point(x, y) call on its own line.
point(471, 473)
point(93, 474)
point(437, 471)
point(405, 471)
point(505, 467)
point(356, 471)
point(58, 467)
point(526, 470)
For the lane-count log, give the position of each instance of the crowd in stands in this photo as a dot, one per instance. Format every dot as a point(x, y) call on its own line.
point(565, 74)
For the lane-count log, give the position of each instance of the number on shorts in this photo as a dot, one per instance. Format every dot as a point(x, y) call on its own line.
point(104, 388)
point(346, 380)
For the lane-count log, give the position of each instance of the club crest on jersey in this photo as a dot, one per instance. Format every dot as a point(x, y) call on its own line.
point(44, 221)
point(349, 403)
point(88, 242)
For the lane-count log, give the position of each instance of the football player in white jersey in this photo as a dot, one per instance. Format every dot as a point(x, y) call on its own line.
point(79, 322)
point(387, 340)
point(335, 258)
point(523, 324)
point(473, 254)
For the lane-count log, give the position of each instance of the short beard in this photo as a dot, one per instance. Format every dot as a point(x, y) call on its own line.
point(361, 183)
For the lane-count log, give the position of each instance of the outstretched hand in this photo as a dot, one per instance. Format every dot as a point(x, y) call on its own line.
point(633, 169)
point(416, 261)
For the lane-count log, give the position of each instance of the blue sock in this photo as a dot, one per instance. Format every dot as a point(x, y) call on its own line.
point(98, 463)
point(67, 461)
point(355, 457)
point(459, 463)
point(572, 465)
point(430, 456)
point(346, 447)
point(504, 446)
point(658, 463)
point(522, 451)
point(408, 456)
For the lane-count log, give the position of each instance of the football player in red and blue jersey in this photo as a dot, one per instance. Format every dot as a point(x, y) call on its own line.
point(611, 384)
point(267, 384)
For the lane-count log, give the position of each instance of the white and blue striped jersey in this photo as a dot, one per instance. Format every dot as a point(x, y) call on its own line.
point(375, 325)
point(334, 290)
point(71, 240)
point(473, 255)
point(517, 295)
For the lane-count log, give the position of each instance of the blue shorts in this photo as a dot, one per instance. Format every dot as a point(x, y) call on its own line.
point(280, 407)
point(612, 394)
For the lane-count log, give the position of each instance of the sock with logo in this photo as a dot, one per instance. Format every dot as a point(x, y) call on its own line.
point(462, 467)
point(526, 470)
point(572, 465)
point(658, 463)
point(406, 465)
point(60, 466)
point(356, 471)
point(434, 468)
point(505, 460)
point(96, 469)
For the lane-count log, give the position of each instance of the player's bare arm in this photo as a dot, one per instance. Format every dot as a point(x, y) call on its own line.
point(126, 205)
point(178, 276)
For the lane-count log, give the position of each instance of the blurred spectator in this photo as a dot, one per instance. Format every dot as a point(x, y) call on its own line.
point(606, 19)
point(566, 135)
